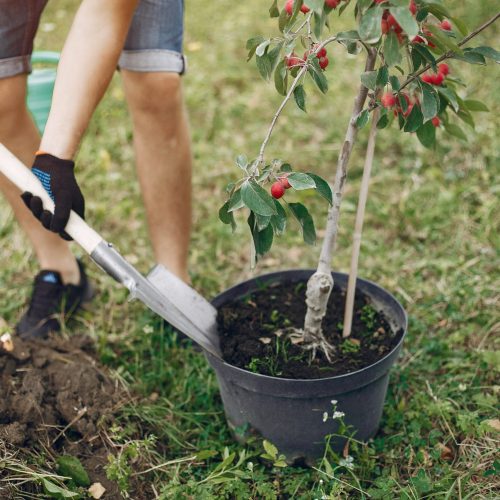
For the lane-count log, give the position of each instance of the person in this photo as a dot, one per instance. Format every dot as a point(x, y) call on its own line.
point(143, 38)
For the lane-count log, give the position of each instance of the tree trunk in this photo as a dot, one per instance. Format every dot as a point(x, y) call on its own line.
point(320, 285)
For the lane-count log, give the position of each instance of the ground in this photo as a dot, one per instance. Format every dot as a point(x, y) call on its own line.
point(430, 238)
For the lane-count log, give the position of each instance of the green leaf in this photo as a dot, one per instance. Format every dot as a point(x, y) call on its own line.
point(55, 491)
point(443, 41)
point(264, 66)
point(462, 27)
point(456, 131)
point(370, 29)
point(300, 97)
point(450, 96)
point(425, 53)
point(362, 119)
point(281, 78)
point(318, 76)
point(416, 60)
point(263, 240)
point(488, 52)
point(261, 49)
point(347, 35)
point(271, 450)
point(279, 221)
point(283, 20)
point(427, 134)
point(227, 217)
point(415, 120)
point(262, 221)
point(257, 199)
point(382, 76)
point(70, 466)
point(383, 122)
point(300, 181)
point(369, 79)
point(274, 55)
point(466, 116)
point(406, 20)
point(471, 57)
point(430, 102)
point(204, 454)
point(242, 162)
point(306, 222)
point(437, 9)
point(322, 187)
point(252, 45)
point(316, 5)
point(392, 55)
point(473, 105)
point(235, 202)
point(395, 83)
point(273, 10)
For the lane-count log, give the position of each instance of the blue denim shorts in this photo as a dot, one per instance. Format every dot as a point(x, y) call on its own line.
point(154, 41)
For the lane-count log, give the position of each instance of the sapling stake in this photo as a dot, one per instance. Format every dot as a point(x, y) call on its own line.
point(358, 227)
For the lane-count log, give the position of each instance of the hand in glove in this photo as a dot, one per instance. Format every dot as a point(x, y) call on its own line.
point(58, 178)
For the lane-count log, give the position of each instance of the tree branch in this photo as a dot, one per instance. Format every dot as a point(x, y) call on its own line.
point(449, 54)
point(302, 71)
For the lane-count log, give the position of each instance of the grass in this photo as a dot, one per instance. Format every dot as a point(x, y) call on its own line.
point(430, 237)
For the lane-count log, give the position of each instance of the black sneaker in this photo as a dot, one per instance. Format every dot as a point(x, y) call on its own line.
point(50, 298)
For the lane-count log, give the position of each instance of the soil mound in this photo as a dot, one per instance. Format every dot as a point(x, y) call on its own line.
point(55, 398)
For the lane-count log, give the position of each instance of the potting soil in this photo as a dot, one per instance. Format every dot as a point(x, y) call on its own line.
point(248, 329)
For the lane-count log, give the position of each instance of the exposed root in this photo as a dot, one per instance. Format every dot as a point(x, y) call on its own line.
point(314, 345)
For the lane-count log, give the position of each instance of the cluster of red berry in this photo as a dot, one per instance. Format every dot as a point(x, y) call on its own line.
point(389, 22)
point(278, 187)
point(332, 4)
point(444, 25)
point(389, 101)
point(294, 61)
point(437, 78)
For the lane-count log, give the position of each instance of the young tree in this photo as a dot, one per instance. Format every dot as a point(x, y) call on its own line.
point(405, 80)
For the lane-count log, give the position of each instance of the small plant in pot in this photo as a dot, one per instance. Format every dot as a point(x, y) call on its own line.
point(304, 347)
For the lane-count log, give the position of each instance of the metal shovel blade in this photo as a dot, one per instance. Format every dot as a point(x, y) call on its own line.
point(202, 314)
point(166, 295)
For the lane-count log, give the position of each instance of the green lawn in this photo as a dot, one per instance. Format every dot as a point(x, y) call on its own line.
point(430, 238)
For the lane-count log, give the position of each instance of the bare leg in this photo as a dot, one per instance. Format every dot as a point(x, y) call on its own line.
point(163, 155)
point(19, 134)
point(88, 61)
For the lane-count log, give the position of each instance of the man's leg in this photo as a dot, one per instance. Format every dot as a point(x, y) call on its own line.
point(19, 134)
point(163, 156)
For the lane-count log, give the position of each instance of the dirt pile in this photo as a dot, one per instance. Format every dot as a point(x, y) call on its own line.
point(55, 398)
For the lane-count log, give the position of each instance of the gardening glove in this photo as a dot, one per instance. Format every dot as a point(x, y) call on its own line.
point(58, 178)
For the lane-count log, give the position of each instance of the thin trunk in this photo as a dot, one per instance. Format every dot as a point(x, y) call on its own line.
point(320, 285)
point(358, 228)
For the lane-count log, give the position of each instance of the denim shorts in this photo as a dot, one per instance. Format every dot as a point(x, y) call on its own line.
point(154, 40)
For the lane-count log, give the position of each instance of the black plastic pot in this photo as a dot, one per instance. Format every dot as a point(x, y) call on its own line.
point(289, 412)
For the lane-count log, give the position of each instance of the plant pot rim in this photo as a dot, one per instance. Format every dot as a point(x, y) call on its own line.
point(344, 376)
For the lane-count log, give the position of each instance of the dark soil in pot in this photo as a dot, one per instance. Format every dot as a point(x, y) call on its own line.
point(248, 327)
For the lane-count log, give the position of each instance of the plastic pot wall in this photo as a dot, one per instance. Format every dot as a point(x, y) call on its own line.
point(289, 412)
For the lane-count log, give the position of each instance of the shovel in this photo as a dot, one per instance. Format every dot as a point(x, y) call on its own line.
point(161, 291)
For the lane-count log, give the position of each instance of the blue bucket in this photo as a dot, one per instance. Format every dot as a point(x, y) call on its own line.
point(41, 86)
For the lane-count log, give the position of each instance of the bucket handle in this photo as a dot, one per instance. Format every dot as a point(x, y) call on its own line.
point(45, 56)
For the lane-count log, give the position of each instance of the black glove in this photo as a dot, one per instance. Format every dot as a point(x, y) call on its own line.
point(58, 178)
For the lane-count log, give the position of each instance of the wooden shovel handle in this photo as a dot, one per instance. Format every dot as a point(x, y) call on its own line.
point(23, 178)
